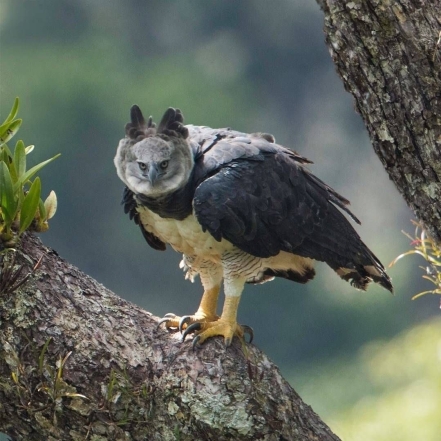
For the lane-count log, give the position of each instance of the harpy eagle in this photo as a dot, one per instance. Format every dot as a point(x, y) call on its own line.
point(240, 208)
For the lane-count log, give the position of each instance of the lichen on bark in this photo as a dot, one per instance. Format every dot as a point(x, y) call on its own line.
point(388, 56)
point(78, 362)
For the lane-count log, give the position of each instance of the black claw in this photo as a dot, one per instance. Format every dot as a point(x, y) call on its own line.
point(195, 342)
point(163, 320)
point(248, 330)
point(192, 328)
point(185, 319)
point(167, 317)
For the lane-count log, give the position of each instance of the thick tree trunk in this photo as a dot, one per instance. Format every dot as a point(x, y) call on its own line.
point(388, 54)
point(77, 362)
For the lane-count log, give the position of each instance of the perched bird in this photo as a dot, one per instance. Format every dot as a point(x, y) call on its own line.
point(240, 208)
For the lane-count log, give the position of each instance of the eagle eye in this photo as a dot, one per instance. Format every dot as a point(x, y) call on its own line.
point(142, 166)
point(163, 164)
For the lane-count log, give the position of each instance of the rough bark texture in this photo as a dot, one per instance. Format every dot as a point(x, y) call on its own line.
point(388, 54)
point(77, 362)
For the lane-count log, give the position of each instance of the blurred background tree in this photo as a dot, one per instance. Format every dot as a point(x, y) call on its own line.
point(79, 66)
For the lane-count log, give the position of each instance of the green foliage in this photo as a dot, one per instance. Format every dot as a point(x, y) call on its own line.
point(427, 248)
point(407, 375)
point(21, 207)
point(389, 392)
point(50, 389)
point(119, 392)
point(55, 387)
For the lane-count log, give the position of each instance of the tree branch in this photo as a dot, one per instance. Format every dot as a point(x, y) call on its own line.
point(388, 55)
point(77, 362)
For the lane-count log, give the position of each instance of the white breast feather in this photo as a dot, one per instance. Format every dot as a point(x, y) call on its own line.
point(185, 236)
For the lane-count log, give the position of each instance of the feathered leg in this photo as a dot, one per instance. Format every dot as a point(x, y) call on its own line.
point(226, 325)
point(211, 278)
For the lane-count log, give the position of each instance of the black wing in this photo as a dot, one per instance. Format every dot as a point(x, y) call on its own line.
point(263, 207)
point(274, 204)
point(130, 205)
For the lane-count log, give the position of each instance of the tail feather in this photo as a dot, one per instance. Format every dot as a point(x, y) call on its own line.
point(361, 275)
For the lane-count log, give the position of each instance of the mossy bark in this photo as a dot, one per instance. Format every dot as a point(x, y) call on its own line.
point(77, 362)
point(388, 54)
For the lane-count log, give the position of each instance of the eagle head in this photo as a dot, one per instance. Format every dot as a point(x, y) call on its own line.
point(155, 162)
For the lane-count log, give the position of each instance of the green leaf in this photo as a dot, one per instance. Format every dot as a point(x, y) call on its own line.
point(31, 172)
point(9, 131)
point(20, 196)
point(30, 205)
point(4, 128)
point(42, 354)
point(7, 201)
point(20, 158)
point(5, 154)
point(42, 210)
point(12, 172)
point(14, 110)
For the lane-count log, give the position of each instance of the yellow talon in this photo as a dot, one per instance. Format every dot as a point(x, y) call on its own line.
point(205, 313)
point(213, 329)
point(226, 326)
point(205, 323)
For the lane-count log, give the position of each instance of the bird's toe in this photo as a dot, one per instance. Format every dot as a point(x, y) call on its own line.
point(194, 327)
point(171, 321)
point(180, 324)
point(184, 322)
point(220, 327)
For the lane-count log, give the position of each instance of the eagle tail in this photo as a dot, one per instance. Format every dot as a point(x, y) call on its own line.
point(359, 275)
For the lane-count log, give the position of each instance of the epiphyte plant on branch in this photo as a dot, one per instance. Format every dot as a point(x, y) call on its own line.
point(430, 251)
point(21, 206)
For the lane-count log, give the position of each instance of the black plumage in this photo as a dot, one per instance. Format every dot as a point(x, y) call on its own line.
point(260, 197)
point(130, 205)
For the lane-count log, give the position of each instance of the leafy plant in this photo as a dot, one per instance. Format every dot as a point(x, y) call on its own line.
point(431, 252)
point(21, 206)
